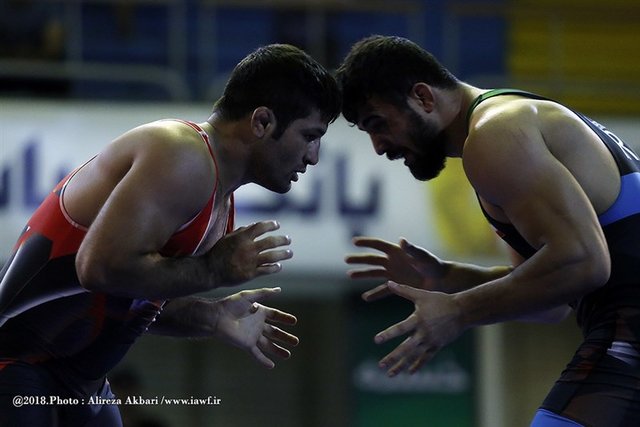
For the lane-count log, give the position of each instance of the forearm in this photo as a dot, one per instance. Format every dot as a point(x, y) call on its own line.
point(553, 315)
point(542, 283)
point(150, 276)
point(462, 276)
point(144, 273)
point(190, 317)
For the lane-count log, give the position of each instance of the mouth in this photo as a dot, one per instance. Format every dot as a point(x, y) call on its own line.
point(395, 155)
point(294, 175)
point(409, 160)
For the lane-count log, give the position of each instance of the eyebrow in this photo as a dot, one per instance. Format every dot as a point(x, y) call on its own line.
point(366, 122)
point(317, 130)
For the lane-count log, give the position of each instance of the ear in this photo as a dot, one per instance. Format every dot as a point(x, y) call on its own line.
point(263, 122)
point(423, 95)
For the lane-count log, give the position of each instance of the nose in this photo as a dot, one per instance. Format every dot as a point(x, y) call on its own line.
point(379, 144)
point(312, 155)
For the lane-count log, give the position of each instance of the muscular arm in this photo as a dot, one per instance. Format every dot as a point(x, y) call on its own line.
point(512, 168)
point(155, 180)
point(412, 265)
point(464, 276)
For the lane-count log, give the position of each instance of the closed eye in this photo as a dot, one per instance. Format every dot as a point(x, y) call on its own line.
point(373, 124)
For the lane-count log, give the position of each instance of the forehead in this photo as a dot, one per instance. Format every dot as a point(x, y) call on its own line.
point(376, 108)
point(312, 122)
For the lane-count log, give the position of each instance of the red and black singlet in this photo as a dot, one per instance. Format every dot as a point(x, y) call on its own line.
point(47, 318)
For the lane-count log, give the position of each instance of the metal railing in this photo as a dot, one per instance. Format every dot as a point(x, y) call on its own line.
point(172, 77)
point(73, 66)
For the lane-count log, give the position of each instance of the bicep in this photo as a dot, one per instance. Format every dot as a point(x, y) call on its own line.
point(544, 202)
point(148, 204)
point(538, 195)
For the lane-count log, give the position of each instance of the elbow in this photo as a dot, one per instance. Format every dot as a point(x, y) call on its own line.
point(555, 315)
point(583, 265)
point(599, 274)
point(89, 272)
point(94, 271)
point(595, 267)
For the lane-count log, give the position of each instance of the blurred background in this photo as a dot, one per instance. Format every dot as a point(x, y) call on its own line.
point(74, 74)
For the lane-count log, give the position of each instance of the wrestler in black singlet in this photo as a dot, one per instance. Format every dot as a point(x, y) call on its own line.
point(600, 387)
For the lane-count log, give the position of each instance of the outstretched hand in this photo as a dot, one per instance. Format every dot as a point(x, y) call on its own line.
point(434, 323)
point(239, 257)
point(402, 263)
point(249, 325)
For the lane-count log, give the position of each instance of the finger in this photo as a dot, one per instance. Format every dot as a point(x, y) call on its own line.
point(366, 259)
point(261, 358)
point(421, 360)
point(242, 228)
point(373, 243)
point(262, 227)
point(413, 250)
point(268, 269)
point(398, 367)
point(376, 293)
point(396, 360)
point(272, 242)
point(254, 308)
point(272, 257)
point(272, 349)
point(405, 291)
point(274, 315)
point(368, 274)
point(257, 295)
point(400, 328)
point(276, 334)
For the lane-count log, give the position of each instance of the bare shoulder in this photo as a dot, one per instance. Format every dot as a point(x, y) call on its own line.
point(527, 138)
point(153, 163)
point(168, 150)
point(520, 151)
point(504, 142)
point(171, 168)
point(518, 118)
point(166, 138)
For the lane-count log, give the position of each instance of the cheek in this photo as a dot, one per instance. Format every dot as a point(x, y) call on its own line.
point(296, 150)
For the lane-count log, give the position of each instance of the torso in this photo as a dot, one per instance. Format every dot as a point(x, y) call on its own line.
point(92, 184)
point(219, 227)
point(51, 319)
point(599, 385)
point(562, 131)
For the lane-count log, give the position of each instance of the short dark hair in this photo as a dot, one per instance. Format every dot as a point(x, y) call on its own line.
point(387, 67)
point(283, 78)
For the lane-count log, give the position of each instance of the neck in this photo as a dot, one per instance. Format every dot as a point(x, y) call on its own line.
point(227, 148)
point(457, 131)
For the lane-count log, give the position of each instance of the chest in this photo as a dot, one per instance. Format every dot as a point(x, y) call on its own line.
point(493, 211)
point(217, 226)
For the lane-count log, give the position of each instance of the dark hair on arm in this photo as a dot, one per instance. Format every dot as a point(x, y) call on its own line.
point(283, 78)
point(387, 67)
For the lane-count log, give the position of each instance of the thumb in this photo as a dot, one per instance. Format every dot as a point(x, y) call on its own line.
point(404, 291)
point(410, 248)
point(257, 295)
point(254, 307)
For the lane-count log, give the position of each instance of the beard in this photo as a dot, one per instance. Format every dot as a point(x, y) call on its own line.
point(431, 160)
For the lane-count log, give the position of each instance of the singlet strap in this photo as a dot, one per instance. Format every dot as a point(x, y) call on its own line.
point(498, 92)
